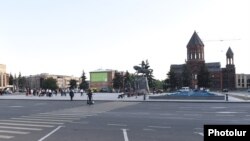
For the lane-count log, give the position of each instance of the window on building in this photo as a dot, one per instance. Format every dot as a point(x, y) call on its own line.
point(239, 81)
point(248, 81)
point(0, 80)
point(242, 80)
point(243, 85)
point(195, 76)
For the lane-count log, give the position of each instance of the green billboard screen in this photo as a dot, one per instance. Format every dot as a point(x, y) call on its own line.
point(99, 77)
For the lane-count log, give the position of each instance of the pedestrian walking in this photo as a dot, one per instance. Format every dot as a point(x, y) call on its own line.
point(71, 94)
point(81, 91)
point(89, 100)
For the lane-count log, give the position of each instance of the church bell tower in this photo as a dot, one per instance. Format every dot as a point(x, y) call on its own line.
point(195, 57)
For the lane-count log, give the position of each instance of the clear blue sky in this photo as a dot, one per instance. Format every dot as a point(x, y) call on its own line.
point(68, 36)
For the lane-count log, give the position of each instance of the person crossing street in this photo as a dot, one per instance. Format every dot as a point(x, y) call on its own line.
point(89, 100)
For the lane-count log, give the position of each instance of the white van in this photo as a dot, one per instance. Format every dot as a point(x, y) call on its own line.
point(184, 89)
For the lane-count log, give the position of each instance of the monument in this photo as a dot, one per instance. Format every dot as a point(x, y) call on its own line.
point(141, 81)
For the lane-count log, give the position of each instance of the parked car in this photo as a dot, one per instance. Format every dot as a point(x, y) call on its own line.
point(7, 92)
point(105, 90)
point(158, 91)
point(184, 89)
point(248, 90)
point(225, 90)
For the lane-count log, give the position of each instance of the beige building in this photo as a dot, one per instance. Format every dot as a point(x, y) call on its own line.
point(63, 81)
point(242, 81)
point(4, 77)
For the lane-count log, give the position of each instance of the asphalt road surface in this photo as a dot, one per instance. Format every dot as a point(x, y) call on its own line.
point(30, 120)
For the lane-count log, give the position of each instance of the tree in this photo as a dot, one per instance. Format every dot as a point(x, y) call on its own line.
point(11, 79)
point(49, 83)
point(173, 81)
point(84, 84)
point(186, 76)
point(15, 83)
point(203, 77)
point(118, 81)
point(132, 81)
point(158, 84)
point(127, 80)
point(21, 80)
point(72, 84)
point(166, 84)
point(150, 77)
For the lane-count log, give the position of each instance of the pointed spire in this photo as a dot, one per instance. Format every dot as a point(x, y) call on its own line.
point(195, 40)
point(230, 53)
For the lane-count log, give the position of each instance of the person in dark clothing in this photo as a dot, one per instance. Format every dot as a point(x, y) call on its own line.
point(89, 100)
point(71, 94)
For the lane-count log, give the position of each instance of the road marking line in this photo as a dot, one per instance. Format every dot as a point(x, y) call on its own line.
point(5, 137)
point(181, 111)
point(198, 128)
point(148, 129)
point(183, 118)
point(200, 133)
point(54, 116)
point(16, 106)
point(91, 115)
point(37, 104)
point(111, 124)
point(167, 114)
point(31, 121)
point(13, 132)
point(125, 135)
point(42, 117)
point(19, 124)
point(228, 112)
point(187, 107)
point(225, 115)
point(218, 107)
point(79, 122)
point(58, 114)
point(21, 128)
point(53, 131)
point(64, 115)
point(160, 127)
point(38, 119)
point(192, 114)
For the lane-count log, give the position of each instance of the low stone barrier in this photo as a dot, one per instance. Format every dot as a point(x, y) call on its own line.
point(188, 97)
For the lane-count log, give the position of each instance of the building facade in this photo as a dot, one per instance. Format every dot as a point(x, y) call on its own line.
point(101, 79)
point(219, 77)
point(63, 81)
point(242, 81)
point(4, 77)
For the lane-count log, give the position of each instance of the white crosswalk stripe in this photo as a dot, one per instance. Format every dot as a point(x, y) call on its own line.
point(19, 124)
point(20, 128)
point(60, 114)
point(49, 117)
point(39, 122)
point(5, 137)
point(36, 122)
point(14, 132)
point(38, 119)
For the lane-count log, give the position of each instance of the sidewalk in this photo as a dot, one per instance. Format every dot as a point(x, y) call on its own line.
point(232, 97)
point(77, 96)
